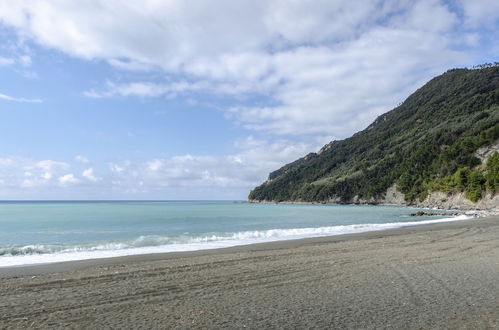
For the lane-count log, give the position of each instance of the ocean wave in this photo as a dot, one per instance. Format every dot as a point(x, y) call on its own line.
point(37, 254)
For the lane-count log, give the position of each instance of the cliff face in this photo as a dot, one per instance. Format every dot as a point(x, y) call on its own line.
point(432, 150)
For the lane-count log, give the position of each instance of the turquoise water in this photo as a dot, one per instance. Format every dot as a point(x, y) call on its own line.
point(44, 232)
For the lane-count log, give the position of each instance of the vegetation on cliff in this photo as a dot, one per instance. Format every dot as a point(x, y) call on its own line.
point(427, 143)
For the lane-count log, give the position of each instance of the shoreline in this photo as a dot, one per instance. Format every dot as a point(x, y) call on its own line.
point(461, 205)
point(74, 265)
point(438, 276)
point(276, 234)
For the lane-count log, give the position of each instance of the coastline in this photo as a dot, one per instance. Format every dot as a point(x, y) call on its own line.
point(393, 197)
point(426, 205)
point(331, 224)
point(441, 275)
point(74, 265)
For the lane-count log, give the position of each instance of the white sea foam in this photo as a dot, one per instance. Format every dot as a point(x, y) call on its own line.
point(41, 254)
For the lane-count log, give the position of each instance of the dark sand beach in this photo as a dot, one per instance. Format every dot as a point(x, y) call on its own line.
point(441, 276)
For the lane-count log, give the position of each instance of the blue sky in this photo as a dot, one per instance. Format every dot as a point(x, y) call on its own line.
point(201, 100)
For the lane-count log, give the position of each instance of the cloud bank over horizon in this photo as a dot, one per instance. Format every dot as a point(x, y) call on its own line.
point(290, 76)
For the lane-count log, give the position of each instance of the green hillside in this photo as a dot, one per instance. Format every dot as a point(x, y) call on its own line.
point(427, 143)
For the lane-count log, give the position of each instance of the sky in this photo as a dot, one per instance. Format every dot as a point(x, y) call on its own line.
point(175, 99)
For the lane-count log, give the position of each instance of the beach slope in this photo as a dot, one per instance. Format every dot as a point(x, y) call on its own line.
point(437, 276)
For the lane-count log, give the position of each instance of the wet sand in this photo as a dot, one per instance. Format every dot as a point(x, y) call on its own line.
point(441, 276)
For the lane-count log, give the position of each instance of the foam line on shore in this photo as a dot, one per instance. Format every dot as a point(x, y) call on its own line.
point(44, 254)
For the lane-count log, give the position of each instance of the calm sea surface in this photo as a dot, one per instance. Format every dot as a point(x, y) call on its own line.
point(44, 232)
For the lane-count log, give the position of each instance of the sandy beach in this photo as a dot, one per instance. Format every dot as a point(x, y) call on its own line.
point(441, 276)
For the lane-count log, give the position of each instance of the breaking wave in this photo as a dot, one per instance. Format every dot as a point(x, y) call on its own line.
point(49, 253)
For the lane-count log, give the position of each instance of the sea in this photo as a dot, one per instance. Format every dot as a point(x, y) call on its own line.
point(40, 232)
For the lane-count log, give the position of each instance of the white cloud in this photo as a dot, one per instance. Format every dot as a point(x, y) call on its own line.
point(129, 65)
point(68, 179)
point(25, 60)
point(146, 89)
point(183, 176)
point(229, 176)
point(4, 61)
point(51, 164)
point(18, 172)
point(118, 168)
point(243, 169)
point(481, 12)
point(89, 175)
point(325, 67)
point(49, 168)
point(82, 159)
point(19, 99)
point(154, 165)
point(318, 68)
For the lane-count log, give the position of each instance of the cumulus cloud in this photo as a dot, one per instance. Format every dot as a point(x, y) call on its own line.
point(237, 172)
point(325, 67)
point(82, 159)
point(48, 168)
point(89, 175)
point(318, 69)
point(119, 168)
point(247, 167)
point(68, 179)
point(481, 12)
point(22, 172)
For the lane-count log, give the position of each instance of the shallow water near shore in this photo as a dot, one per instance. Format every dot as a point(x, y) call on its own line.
point(54, 231)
